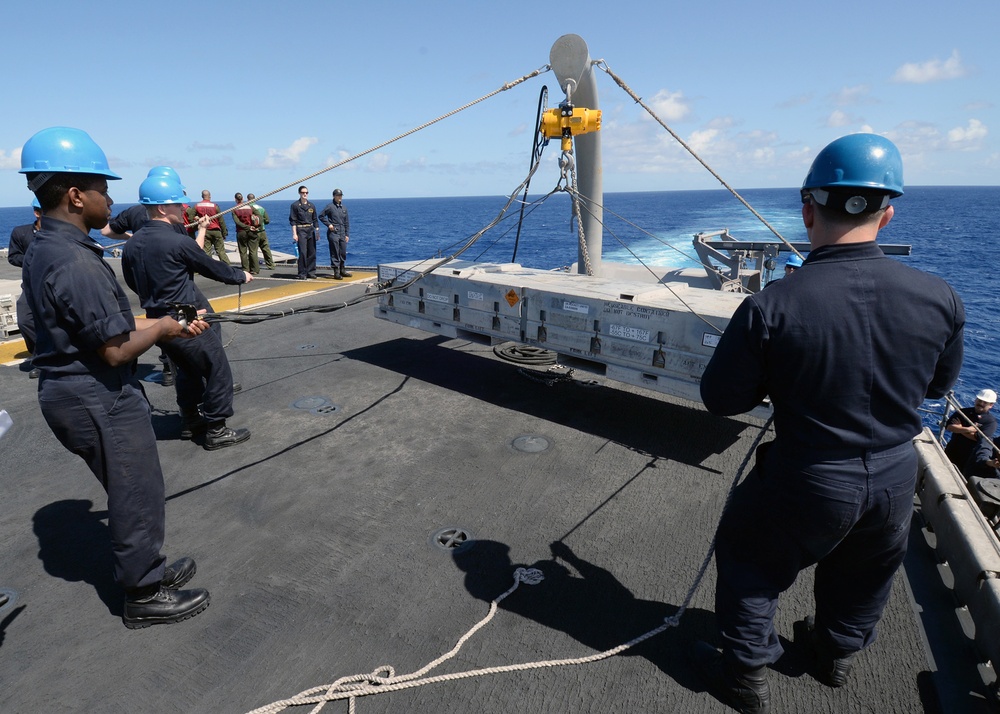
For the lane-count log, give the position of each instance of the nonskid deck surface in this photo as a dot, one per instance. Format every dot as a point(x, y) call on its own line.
point(315, 540)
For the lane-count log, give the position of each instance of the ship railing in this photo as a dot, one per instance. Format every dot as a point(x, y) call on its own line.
point(940, 412)
point(964, 539)
point(728, 261)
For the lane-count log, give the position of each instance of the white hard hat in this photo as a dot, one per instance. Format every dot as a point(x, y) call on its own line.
point(987, 395)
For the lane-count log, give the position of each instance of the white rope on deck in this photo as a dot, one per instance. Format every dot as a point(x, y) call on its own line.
point(383, 679)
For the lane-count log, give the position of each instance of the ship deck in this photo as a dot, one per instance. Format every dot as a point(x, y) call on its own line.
point(317, 540)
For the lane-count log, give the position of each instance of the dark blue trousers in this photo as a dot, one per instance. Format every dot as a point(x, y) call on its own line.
point(849, 514)
point(106, 423)
point(203, 374)
point(338, 250)
point(307, 252)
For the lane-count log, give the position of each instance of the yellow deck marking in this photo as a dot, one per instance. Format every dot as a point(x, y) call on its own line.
point(14, 349)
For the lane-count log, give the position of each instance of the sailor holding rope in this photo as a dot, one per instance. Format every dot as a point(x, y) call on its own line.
point(847, 348)
point(965, 431)
point(159, 264)
point(87, 344)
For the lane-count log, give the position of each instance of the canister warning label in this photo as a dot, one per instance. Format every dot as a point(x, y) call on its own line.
point(436, 298)
point(629, 333)
point(512, 297)
point(710, 339)
point(475, 296)
point(578, 307)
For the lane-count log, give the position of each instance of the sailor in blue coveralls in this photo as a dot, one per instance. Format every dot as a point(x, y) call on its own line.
point(158, 263)
point(20, 239)
point(338, 233)
point(135, 217)
point(847, 348)
point(127, 222)
point(86, 347)
point(305, 225)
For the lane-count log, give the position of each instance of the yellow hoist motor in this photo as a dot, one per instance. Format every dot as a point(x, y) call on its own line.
point(567, 121)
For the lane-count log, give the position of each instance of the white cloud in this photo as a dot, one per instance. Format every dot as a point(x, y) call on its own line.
point(210, 163)
point(848, 96)
point(418, 164)
point(798, 101)
point(669, 106)
point(722, 123)
point(287, 158)
point(378, 163)
point(700, 141)
point(931, 71)
point(163, 161)
point(839, 118)
point(334, 159)
point(197, 145)
point(919, 138)
point(972, 133)
point(11, 159)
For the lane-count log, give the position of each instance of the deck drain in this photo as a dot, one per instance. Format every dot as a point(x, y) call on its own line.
point(452, 540)
point(326, 409)
point(310, 404)
point(8, 598)
point(531, 444)
point(306, 347)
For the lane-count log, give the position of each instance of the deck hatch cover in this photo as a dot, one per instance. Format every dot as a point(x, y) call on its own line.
point(452, 539)
point(531, 444)
point(315, 405)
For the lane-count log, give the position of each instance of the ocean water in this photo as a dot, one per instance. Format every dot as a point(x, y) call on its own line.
point(953, 231)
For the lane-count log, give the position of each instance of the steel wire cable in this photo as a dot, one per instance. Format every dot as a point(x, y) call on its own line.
point(601, 64)
point(503, 88)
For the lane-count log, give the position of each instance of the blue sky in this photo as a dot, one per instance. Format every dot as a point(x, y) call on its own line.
point(252, 96)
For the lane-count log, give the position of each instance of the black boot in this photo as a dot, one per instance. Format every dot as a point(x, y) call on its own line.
point(220, 436)
point(163, 607)
point(745, 691)
point(192, 425)
point(168, 375)
point(831, 669)
point(345, 274)
point(178, 573)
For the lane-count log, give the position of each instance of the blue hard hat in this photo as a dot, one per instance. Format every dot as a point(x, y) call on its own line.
point(166, 171)
point(858, 161)
point(794, 261)
point(35, 204)
point(160, 190)
point(61, 149)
